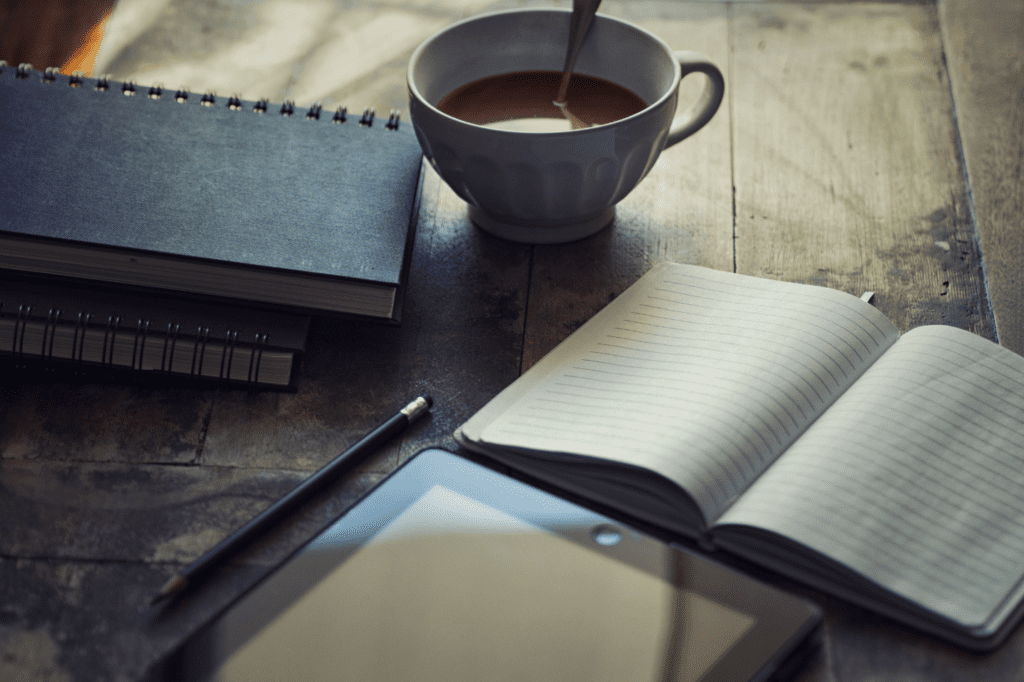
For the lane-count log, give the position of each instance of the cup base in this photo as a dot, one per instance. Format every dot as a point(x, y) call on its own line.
point(542, 234)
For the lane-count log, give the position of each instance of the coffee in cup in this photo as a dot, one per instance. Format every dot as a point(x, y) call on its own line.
point(525, 101)
point(549, 186)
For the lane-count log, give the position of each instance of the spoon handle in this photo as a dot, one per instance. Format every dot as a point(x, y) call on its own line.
point(583, 12)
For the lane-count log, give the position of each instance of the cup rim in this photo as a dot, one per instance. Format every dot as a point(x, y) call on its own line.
point(411, 84)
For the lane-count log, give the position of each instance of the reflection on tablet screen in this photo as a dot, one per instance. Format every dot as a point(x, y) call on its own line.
point(453, 589)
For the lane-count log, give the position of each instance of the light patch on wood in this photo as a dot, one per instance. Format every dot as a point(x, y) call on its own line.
point(70, 577)
point(984, 46)
point(129, 20)
point(837, 109)
point(187, 546)
point(360, 43)
point(462, 8)
point(258, 64)
point(30, 655)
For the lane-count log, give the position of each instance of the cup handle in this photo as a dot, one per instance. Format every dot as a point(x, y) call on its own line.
point(701, 111)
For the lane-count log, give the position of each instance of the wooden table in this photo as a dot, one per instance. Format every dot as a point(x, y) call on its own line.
point(861, 146)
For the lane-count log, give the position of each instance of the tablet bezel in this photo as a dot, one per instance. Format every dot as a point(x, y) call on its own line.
point(784, 626)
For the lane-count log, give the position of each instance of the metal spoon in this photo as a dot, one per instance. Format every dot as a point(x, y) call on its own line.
point(583, 12)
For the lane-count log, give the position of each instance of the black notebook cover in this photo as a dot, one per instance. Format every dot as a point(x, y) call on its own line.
point(308, 211)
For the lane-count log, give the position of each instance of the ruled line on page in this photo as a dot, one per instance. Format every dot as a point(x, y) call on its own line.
point(710, 315)
point(890, 562)
point(740, 371)
point(915, 477)
point(739, 343)
point(834, 303)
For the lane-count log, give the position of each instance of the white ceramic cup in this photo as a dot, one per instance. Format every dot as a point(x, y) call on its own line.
point(551, 187)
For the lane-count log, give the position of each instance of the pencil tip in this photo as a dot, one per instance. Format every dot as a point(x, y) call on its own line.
point(171, 587)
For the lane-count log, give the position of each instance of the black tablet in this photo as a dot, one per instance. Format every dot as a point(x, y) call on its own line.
point(448, 570)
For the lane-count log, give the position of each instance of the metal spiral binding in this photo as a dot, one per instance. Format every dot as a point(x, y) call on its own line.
point(172, 337)
point(78, 340)
point(228, 354)
point(139, 350)
point(209, 99)
point(49, 332)
point(199, 349)
point(143, 335)
point(18, 339)
point(109, 338)
point(255, 358)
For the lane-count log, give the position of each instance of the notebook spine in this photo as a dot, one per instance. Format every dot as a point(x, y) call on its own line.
point(105, 83)
point(89, 346)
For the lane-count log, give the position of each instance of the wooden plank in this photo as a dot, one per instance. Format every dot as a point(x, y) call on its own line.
point(101, 423)
point(680, 212)
point(68, 620)
point(43, 599)
point(846, 159)
point(984, 44)
point(158, 514)
point(337, 53)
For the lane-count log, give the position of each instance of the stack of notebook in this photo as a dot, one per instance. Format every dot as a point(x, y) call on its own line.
point(134, 217)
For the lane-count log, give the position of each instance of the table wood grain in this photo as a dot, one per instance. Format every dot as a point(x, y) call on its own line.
point(863, 146)
point(985, 52)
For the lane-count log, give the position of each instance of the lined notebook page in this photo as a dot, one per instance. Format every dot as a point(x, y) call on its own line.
point(915, 477)
point(701, 375)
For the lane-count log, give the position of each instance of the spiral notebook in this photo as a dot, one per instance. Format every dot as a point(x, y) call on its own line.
point(206, 196)
point(52, 331)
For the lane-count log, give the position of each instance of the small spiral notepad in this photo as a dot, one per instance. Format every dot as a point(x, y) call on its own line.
point(96, 333)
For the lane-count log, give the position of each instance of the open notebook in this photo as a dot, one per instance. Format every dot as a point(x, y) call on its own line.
point(792, 425)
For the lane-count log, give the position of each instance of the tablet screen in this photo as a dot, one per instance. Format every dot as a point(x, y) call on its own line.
point(458, 583)
point(496, 599)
